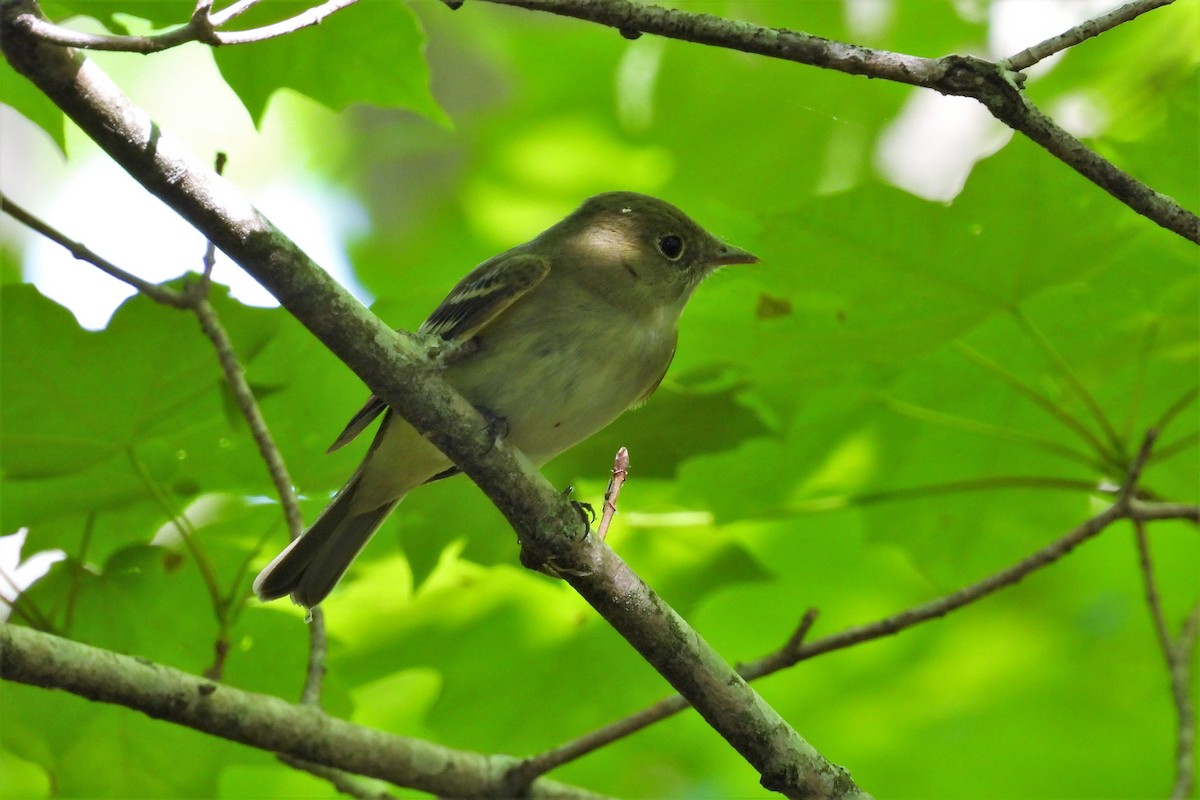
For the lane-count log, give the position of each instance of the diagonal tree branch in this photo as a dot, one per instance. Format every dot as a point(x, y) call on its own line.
point(398, 368)
point(202, 27)
point(994, 85)
point(1081, 33)
point(262, 721)
point(796, 650)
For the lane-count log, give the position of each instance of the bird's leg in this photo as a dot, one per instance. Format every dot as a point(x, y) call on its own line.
point(497, 425)
point(540, 562)
point(587, 514)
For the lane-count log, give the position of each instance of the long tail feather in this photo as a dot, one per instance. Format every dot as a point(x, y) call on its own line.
point(311, 566)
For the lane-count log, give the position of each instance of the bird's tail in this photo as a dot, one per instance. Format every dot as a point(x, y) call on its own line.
point(311, 566)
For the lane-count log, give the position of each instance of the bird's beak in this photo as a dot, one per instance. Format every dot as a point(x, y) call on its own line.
point(728, 254)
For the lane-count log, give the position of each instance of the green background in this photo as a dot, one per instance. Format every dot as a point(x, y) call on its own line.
point(802, 451)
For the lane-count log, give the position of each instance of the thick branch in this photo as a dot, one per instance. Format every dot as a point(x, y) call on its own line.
point(398, 370)
point(257, 720)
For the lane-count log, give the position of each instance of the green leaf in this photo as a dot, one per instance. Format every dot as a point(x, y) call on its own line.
point(367, 53)
point(18, 93)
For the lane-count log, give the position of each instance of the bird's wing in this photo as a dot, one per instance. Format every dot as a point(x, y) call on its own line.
point(358, 422)
point(484, 294)
point(478, 299)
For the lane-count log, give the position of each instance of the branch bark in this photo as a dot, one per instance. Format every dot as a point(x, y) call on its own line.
point(995, 86)
point(262, 721)
point(399, 369)
point(202, 27)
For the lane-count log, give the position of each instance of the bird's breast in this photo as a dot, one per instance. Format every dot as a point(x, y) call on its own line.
point(556, 382)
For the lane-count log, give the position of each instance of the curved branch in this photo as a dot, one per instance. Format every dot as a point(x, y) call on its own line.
point(993, 85)
point(268, 723)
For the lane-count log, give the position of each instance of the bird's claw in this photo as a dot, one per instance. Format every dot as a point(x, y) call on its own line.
point(497, 425)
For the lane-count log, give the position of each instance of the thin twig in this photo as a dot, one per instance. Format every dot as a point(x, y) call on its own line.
point(524, 772)
point(314, 674)
point(1080, 33)
point(235, 378)
point(1178, 657)
point(1146, 563)
point(195, 298)
point(620, 471)
point(794, 651)
point(202, 27)
point(210, 250)
point(234, 11)
point(305, 19)
point(160, 294)
point(1185, 710)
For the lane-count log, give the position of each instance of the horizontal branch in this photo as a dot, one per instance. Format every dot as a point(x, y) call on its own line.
point(268, 723)
point(160, 294)
point(202, 27)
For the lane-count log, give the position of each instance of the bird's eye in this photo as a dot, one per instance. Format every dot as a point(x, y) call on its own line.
point(670, 246)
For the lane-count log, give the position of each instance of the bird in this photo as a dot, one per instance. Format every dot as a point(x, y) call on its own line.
point(558, 337)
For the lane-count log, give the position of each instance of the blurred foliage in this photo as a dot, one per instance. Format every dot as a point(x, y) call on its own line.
point(813, 444)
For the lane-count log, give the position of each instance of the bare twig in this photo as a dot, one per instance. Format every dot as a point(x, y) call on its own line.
point(306, 19)
point(785, 655)
point(1181, 679)
point(314, 675)
point(620, 471)
point(233, 11)
point(794, 650)
point(1080, 33)
point(202, 27)
point(160, 294)
point(1151, 588)
point(1178, 657)
point(235, 377)
point(195, 299)
point(993, 85)
point(530, 768)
